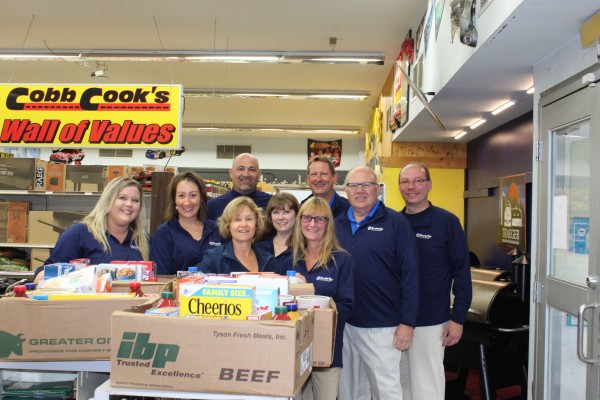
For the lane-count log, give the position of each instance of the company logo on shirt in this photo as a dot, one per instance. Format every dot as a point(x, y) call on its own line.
point(216, 244)
point(421, 236)
point(324, 278)
point(375, 228)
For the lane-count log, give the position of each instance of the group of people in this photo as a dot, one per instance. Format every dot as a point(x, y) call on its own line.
point(390, 273)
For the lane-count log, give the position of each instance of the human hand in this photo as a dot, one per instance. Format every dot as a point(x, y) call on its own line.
point(403, 337)
point(452, 333)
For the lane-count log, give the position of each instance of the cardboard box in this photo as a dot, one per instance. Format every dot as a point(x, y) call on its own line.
point(13, 221)
point(116, 171)
point(50, 330)
point(55, 177)
point(40, 175)
point(324, 342)
point(17, 173)
point(267, 358)
point(85, 178)
point(46, 226)
point(38, 258)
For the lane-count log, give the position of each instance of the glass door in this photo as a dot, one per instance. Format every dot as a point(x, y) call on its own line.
point(567, 356)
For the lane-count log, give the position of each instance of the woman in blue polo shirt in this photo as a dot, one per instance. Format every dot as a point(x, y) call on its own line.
point(239, 225)
point(280, 218)
point(181, 241)
point(320, 259)
point(114, 230)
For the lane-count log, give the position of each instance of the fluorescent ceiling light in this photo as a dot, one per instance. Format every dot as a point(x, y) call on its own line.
point(460, 134)
point(503, 107)
point(283, 57)
point(278, 93)
point(478, 123)
point(324, 130)
point(530, 90)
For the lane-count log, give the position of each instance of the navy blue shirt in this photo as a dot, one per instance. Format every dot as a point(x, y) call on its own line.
point(218, 204)
point(337, 282)
point(283, 259)
point(444, 266)
point(386, 269)
point(174, 249)
point(78, 242)
point(339, 205)
point(222, 260)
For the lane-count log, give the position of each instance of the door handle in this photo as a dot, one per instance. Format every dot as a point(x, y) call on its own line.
point(580, 336)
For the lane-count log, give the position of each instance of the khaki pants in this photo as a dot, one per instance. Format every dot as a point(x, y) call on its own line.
point(322, 384)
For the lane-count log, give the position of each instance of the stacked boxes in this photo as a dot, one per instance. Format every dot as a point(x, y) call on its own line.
point(13, 221)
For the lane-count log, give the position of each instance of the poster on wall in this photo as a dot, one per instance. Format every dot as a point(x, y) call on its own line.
point(331, 149)
point(427, 32)
point(483, 5)
point(511, 221)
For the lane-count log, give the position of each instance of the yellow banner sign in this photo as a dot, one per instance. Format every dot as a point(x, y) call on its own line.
point(137, 116)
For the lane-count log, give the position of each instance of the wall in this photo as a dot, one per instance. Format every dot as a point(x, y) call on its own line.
point(447, 191)
point(273, 153)
point(505, 151)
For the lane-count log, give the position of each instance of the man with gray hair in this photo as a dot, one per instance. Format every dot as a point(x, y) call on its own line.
point(386, 290)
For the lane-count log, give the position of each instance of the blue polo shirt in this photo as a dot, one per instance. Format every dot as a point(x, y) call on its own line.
point(174, 249)
point(386, 268)
point(284, 259)
point(338, 204)
point(445, 266)
point(78, 242)
point(222, 260)
point(337, 282)
point(218, 204)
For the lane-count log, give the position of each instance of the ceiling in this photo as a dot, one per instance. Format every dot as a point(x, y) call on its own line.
point(374, 26)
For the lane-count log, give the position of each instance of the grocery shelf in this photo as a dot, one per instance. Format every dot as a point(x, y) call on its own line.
point(28, 245)
point(104, 391)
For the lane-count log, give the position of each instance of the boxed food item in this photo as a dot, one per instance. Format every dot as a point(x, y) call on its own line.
point(46, 226)
point(65, 330)
point(230, 301)
point(17, 173)
point(13, 221)
point(260, 358)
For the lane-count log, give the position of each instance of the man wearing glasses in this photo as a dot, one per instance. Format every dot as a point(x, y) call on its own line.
point(321, 178)
point(386, 291)
point(444, 264)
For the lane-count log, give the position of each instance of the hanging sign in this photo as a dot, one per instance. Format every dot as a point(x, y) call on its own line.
point(511, 227)
point(132, 116)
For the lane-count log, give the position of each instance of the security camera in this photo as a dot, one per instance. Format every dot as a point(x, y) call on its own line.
point(98, 73)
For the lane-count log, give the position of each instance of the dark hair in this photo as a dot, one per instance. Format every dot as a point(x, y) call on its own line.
point(196, 179)
point(278, 201)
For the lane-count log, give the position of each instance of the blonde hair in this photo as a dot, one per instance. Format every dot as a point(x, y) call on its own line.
point(96, 220)
point(319, 206)
point(233, 209)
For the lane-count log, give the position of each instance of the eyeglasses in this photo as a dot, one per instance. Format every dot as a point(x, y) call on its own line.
point(364, 185)
point(318, 219)
point(416, 182)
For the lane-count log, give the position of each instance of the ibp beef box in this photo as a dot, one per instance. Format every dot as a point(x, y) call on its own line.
point(46, 226)
point(53, 330)
point(265, 358)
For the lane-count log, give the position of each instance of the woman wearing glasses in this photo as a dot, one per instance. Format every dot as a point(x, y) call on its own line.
point(240, 224)
point(280, 220)
point(320, 259)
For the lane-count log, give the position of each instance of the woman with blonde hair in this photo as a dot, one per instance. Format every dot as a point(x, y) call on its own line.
point(320, 259)
point(240, 224)
point(113, 230)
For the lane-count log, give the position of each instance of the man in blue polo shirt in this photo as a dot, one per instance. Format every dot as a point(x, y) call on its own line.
point(321, 178)
point(386, 291)
point(244, 174)
point(444, 265)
